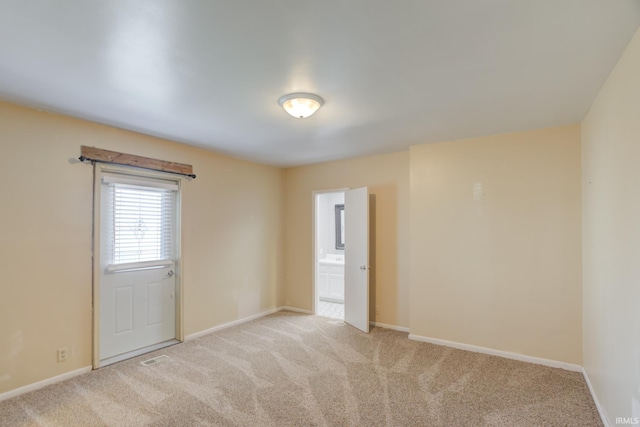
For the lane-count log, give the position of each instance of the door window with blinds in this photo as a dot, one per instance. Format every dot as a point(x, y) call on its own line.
point(140, 223)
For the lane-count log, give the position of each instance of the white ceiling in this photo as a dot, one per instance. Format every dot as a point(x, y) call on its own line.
point(392, 73)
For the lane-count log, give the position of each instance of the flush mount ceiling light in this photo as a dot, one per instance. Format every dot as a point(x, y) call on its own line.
point(301, 105)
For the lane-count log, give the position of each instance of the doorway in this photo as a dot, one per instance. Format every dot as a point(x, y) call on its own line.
point(341, 256)
point(136, 280)
point(330, 254)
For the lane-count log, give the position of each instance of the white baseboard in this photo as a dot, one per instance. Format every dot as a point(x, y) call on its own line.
point(244, 320)
point(601, 411)
point(295, 310)
point(38, 385)
point(387, 326)
point(500, 353)
point(230, 324)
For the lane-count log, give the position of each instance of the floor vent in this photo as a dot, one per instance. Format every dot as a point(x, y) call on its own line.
point(155, 360)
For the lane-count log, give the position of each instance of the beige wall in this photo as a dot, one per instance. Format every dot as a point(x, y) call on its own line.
point(232, 245)
point(611, 247)
point(387, 177)
point(503, 272)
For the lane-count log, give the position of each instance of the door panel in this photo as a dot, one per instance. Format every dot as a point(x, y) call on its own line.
point(356, 265)
point(123, 309)
point(155, 303)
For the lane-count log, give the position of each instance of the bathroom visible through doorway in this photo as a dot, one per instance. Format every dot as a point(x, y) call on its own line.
point(330, 258)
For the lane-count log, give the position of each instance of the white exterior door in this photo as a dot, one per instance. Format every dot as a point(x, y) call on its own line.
point(356, 258)
point(138, 228)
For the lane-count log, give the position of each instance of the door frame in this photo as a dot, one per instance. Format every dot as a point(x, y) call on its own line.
point(314, 232)
point(98, 171)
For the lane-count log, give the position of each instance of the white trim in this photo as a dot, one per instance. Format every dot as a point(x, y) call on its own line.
point(230, 324)
point(141, 175)
point(295, 310)
point(500, 353)
point(40, 384)
point(601, 411)
point(387, 326)
point(245, 320)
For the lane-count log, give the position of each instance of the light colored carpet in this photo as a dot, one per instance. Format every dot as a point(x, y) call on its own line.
point(298, 370)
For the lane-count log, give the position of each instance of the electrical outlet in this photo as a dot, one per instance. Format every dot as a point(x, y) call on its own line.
point(377, 309)
point(62, 354)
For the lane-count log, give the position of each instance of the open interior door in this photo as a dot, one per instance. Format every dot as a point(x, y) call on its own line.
point(356, 256)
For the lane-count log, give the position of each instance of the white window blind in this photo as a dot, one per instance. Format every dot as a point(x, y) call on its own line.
point(140, 223)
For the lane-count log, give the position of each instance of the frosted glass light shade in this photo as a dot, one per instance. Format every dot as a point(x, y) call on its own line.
point(301, 105)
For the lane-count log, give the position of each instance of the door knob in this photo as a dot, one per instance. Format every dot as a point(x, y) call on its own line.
point(169, 275)
point(363, 267)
